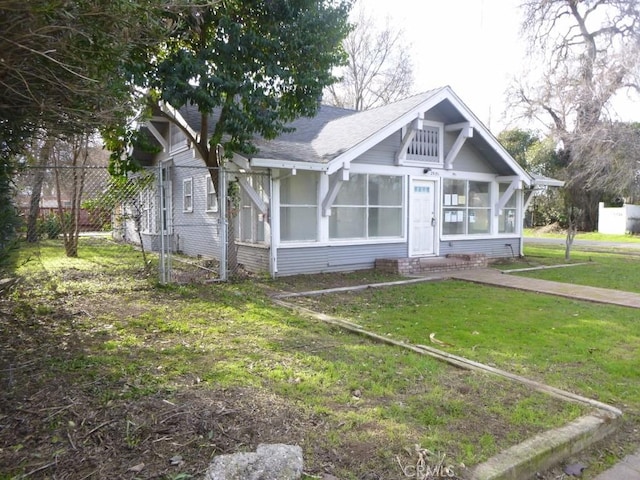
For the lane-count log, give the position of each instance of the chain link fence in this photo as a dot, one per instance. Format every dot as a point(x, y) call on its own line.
point(172, 214)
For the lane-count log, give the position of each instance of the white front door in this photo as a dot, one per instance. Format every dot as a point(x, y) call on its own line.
point(422, 222)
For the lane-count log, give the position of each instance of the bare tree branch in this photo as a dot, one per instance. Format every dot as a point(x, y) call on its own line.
point(379, 70)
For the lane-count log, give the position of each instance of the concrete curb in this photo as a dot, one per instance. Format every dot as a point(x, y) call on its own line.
point(542, 452)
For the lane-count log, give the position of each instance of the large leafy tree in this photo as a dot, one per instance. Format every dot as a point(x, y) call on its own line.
point(588, 54)
point(256, 65)
point(538, 155)
point(518, 142)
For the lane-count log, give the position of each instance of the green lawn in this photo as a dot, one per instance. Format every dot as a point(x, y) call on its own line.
point(620, 271)
point(587, 348)
point(98, 332)
point(102, 351)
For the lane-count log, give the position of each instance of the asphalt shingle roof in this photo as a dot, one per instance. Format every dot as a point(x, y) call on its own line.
point(331, 132)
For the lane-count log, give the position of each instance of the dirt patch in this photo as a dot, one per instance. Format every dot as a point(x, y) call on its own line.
point(63, 431)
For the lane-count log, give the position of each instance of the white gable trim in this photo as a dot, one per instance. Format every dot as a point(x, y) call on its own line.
point(337, 163)
point(179, 119)
point(156, 134)
point(466, 131)
point(444, 94)
point(288, 164)
point(408, 138)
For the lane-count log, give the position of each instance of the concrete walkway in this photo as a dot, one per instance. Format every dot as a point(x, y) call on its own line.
point(629, 467)
point(578, 292)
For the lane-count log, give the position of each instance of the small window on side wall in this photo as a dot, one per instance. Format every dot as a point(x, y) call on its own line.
point(212, 198)
point(187, 195)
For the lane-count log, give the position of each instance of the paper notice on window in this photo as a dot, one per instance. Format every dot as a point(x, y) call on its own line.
point(454, 199)
point(447, 217)
point(447, 200)
point(462, 199)
point(460, 216)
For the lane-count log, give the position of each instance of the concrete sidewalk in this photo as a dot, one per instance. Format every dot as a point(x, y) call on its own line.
point(579, 292)
point(629, 467)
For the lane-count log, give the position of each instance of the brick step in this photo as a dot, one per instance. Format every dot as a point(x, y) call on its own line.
point(424, 265)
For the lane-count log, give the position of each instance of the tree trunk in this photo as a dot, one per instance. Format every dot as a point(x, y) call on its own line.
point(36, 191)
point(81, 152)
point(34, 206)
point(571, 234)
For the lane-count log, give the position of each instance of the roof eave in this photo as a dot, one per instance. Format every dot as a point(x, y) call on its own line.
point(287, 164)
point(547, 182)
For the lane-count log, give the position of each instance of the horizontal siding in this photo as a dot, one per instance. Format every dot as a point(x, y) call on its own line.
point(343, 258)
point(253, 259)
point(196, 232)
point(491, 247)
point(186, 158)
point(197, 240)
point(469, 159)
point(384, 153)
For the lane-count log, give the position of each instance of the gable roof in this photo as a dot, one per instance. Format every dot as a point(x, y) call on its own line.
point(334, 131)
point(336, 136)
point(344, 138)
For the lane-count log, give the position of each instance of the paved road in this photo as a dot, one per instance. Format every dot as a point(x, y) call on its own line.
point(592, 244)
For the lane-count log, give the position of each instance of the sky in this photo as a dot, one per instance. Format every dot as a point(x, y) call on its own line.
point(474, 46)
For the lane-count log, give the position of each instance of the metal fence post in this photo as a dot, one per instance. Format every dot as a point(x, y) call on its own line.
point(222, 208)
point(161, 203)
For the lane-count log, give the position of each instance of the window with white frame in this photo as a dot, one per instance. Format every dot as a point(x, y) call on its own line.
point(212, 198)
point(368, 206)
point(299, 207)
point(466, 207)
point(507, 220)
point(187, 195)
point(146, 201)
point(251, 222)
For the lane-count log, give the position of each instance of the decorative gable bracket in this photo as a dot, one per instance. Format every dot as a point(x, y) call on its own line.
point(253, 195)
point(515, 184)
point(421, 143)
point(466, 131)
point(409, 135)
point(335, 184)
point(157, 135)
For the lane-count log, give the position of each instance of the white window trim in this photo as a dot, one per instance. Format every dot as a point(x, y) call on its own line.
point(342, 242)
point(367, 207)
point(185, 195)
point(147, 207)
point(318, 214)
point(494, 196)
point(517, 207)
point(210, 190)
